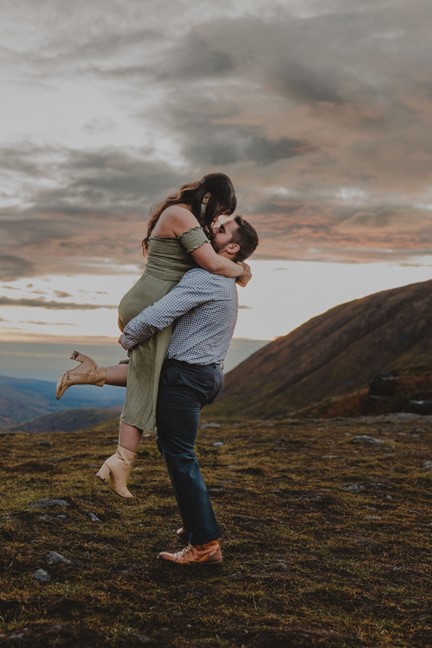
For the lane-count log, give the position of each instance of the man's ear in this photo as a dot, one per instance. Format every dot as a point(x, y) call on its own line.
point(232, 248)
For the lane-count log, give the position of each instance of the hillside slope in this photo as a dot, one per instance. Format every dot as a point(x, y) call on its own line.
point(68, 420)
point(24, 399)
point(332, 354)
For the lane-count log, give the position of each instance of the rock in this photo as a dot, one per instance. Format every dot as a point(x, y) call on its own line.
point(365, 438)
point(144, 639)
point(383, 385)
point(217, 444)
point(207, 426)
point(93, 517)
point(354, 488)
point(54, 558)
point(428, 465)
point(42, 576)
point(47, 502)
point(420, 407)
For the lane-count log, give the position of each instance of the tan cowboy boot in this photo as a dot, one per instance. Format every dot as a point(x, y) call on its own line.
point(116, 471)
point(87, 373)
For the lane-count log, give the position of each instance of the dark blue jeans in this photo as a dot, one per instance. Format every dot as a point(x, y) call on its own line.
point(183, 390)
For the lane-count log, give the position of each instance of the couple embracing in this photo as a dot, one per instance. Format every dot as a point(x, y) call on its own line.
point(177, 322)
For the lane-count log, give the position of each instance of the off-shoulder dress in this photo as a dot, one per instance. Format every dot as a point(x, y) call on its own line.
point(168, 259)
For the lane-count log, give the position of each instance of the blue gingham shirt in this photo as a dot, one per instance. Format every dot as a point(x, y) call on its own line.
point(203, 308)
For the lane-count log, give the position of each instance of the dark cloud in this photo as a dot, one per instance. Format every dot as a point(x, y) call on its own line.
point(207, 140)
point(21, 158)
point(108, 180)
point(33, 230)
point(12, 267)
point(62, 294)
point(49, 324)
point(318, 102)
point(56, 305)
point(194, 59)
point(231, 144)
point(308, 85)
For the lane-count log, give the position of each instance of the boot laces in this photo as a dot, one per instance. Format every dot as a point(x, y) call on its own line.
point(185, 551)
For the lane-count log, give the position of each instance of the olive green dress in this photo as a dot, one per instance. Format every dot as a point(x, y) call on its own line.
point(168, 260)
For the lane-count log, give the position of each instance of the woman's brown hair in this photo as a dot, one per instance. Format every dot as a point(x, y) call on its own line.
point(222, 201)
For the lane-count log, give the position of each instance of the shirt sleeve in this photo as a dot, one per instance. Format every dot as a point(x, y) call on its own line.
point(196, 287)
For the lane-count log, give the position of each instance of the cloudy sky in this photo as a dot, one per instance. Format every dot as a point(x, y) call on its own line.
point(319, 110)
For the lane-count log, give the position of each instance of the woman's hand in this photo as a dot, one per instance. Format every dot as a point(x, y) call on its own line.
point(244, 278)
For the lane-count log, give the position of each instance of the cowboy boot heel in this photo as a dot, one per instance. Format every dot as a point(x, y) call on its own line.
point(116, 470)
point(86, 373)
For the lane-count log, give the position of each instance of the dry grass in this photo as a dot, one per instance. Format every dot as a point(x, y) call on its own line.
point(327, 541)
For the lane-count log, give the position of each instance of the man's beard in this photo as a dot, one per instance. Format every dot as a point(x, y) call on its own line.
point(217, 247)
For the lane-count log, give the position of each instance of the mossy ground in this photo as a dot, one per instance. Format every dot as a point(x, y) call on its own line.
point(327, 540)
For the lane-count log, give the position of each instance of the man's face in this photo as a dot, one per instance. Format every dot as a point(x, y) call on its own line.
point(223, 233)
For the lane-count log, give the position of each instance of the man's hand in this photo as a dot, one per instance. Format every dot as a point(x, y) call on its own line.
point(244, 278)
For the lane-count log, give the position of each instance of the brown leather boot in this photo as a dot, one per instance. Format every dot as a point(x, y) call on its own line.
point(209, 554)
point(87, 373)
point(116, 470)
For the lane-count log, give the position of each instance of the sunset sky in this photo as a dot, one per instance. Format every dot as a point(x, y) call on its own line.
point(319, 110)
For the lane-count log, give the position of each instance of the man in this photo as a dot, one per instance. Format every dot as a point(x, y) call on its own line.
point(204, 307)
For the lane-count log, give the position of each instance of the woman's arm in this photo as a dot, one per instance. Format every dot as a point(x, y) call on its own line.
point(208, 259)
point(175, 221)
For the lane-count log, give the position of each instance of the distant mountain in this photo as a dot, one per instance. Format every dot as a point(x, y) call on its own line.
point(333, 354)
point(68, 420)
point(26, 399)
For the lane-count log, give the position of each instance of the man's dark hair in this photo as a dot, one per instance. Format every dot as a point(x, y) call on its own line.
point(246, 237)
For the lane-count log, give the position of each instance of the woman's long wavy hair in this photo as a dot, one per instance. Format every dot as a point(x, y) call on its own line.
point(222, 201)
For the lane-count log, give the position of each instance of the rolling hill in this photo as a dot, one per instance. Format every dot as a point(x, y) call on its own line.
point(27, 399)
point(335, 353)
point(68, 420)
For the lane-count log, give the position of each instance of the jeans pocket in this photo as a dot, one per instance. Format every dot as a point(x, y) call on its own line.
point(216, 387)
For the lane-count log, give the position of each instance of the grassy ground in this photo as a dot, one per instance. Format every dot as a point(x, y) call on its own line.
point(327, 540)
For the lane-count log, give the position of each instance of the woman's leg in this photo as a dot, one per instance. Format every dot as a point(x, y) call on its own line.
point(117, 375)
point(117, 468)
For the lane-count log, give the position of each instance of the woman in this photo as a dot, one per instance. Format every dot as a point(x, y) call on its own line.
point(178, 237)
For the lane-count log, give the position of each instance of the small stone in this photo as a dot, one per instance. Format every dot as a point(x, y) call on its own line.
point(207, 426)
point(144, 639)
point(42, 576)
point(428, 465)
point(354, 488)
point(365, 438)
point(218, 444)
point(93, 517)
point(47, 502)
point(54, 558)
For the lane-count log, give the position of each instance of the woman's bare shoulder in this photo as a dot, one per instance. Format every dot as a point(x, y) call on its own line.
point(175, 220)
point(179, 211)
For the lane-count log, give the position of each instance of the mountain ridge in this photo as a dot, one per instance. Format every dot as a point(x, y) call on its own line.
point(334, 353)
point(25, 399)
